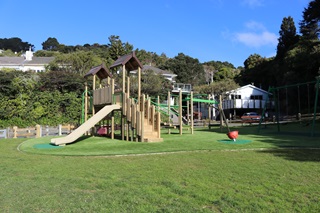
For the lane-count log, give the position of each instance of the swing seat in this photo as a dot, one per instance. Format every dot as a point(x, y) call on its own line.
point(233, 135)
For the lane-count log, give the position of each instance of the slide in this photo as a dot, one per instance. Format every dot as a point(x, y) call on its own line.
point(85, 126)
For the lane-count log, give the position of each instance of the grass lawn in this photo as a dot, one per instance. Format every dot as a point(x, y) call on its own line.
point(270, 172)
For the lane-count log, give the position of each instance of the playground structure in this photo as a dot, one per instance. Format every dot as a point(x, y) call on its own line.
point(294, 103)
point(139, 119)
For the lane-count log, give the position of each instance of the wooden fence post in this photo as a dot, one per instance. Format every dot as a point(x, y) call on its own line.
point(15, 129)
point(38, 131)
point(60, 130)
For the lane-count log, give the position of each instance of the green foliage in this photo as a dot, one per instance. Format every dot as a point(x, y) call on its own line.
point(61, 81)
point(79, 62)
point(309, 26)
point(151, 58)
point(15, 44)
point(154, 85)
point(288, 36)
point(217, 88)
point(45, 53)
point(217, 71)
point(188, 69)
point(45, 98)
point(117, 48)
point(51, 44)
point(8, 52)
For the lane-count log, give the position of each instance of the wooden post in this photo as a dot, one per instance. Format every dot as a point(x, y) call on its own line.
point(153, 110)
point(38, 131)
point(124, 78)
point(180, 112)
point(112, 91)
point(128, 87)
point(139, 85)
point(159, 124)
point(209, 111)
point(220, 111)
point(60, 130)
point(188, 113)
point(138, 125)
point(93, 88)
point(191, 106)
point(169, 104)
point(112, 125)
point(86, 103)
point(15, 131)
point(142, 118)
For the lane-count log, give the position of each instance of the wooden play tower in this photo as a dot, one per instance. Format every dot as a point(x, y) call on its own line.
point(139, 119)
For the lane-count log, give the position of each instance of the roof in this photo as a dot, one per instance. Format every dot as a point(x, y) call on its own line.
point(157, 70)
point(20, 60)
point(249, 86)
point(130, 61)
point(101, 71)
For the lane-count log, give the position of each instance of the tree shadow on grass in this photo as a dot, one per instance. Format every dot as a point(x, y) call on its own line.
point(292, 145)
point(297, 154)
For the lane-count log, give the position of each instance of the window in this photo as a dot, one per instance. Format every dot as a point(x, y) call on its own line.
point(235, 96)
point(256, 97)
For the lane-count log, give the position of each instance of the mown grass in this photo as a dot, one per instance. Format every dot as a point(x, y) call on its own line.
point(273, 173)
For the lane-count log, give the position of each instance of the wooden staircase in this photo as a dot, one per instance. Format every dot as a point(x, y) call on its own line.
point(143, 118)
point(150, 135)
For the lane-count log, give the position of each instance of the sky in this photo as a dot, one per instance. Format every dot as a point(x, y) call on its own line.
point(209, 30)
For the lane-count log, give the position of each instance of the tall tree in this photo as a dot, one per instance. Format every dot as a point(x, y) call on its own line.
point(188, 69)
point(288, 36)
point(309, 26)
point(50, 44)
point(15, 44)
point(117, 48)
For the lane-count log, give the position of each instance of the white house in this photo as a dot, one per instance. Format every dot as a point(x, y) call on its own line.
point(244, 99)
point(26, 62)
point(165, 73)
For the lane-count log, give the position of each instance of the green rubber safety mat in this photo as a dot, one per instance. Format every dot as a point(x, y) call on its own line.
point(46, 146)
point(228, 141)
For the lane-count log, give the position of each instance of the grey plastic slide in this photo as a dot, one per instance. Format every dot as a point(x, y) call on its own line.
point(85, 126)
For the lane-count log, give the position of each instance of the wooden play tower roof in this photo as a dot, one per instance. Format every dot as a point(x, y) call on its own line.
point(101, 71)
point(130, 61)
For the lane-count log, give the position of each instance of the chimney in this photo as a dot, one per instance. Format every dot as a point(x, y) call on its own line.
point(29, 55)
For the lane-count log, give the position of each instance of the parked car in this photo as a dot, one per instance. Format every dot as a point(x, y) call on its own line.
point(250, 117)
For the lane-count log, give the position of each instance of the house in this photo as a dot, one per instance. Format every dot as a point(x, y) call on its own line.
point(165, 73)
point(26, 62)
point(245, 99)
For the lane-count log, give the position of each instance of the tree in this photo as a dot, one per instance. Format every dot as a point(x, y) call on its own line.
point(217, 88)
point(259, 70)
point(117, 48)
point(15, 45)
point(189, 70)
point(8, 52)
point(64, 82)
point(154, 85)
point(51, 44)
point(309, 26)
point(288, 36)
point(77, 62)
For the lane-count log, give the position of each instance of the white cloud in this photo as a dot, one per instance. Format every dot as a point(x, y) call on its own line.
point(256, 26)
point(256, 36)
point(253, 3)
